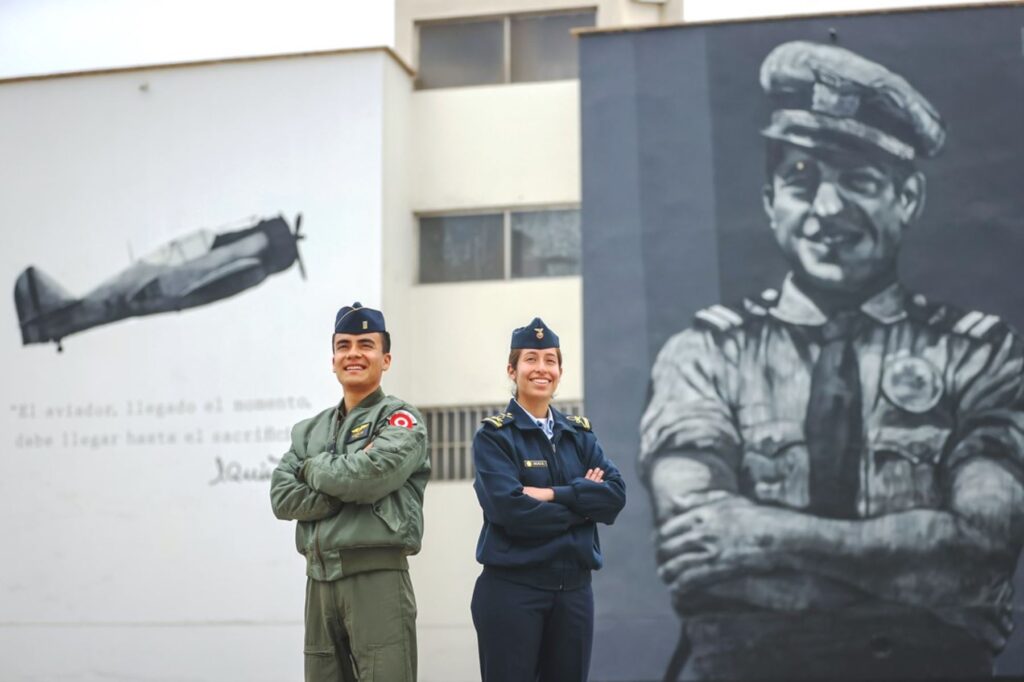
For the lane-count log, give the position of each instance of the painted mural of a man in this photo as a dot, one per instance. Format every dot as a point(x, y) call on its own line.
point(836, 467)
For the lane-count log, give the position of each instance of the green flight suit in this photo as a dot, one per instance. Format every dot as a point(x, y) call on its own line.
point(355, 482)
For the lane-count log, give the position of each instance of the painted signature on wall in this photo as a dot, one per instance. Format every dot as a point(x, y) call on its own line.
point(232, 471)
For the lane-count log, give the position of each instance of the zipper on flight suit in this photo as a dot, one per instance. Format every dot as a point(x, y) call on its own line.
point(333, 449)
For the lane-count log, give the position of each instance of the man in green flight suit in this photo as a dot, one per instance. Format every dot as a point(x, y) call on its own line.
point(354, 480)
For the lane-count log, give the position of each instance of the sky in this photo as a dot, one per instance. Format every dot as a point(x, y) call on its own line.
point(58, 36)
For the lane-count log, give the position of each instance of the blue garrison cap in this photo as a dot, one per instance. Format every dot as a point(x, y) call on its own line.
point(355, 319)
point(534, 335)
point(825, 96)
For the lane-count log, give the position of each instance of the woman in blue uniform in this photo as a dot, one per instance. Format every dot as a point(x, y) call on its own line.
point(544, 484)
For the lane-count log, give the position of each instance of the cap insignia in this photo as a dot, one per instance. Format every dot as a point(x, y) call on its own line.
point(540, 332)
point(827, 100)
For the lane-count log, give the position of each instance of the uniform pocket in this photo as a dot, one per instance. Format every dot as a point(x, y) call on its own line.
point(922, 444)
point(904, 468)
point(387, 511)
point(320, 663)
point(774, 467)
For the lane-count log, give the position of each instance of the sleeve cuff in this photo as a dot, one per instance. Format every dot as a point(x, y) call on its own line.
point(564, 495)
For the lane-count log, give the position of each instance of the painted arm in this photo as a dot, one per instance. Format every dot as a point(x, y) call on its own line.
point(927, 558)
point(501, 493)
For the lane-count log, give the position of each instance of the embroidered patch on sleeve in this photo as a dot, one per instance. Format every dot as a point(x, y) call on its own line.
point(402, 418)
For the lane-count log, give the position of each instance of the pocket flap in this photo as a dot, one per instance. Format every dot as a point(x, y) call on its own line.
point(919, 444)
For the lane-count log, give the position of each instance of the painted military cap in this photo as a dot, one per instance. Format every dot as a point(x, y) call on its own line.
point(534, 335)
point(825, 96)
point(355, 319)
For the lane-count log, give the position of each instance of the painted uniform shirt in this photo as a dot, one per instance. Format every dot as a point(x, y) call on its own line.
point(938, 388)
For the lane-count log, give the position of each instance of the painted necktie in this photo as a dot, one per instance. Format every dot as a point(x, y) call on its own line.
point(834, 423)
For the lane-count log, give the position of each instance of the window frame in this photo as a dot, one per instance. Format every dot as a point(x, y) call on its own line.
point(506, 19)
point(506, 226)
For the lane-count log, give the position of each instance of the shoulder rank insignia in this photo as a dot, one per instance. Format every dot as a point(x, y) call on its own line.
point(719, 317)
point(498, 420)
point(579, 421)
point(976, 324)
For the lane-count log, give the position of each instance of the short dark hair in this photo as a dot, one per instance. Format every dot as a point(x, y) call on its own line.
point(385, 341)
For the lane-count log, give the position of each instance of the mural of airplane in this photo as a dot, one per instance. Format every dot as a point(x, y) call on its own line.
point(199, 268)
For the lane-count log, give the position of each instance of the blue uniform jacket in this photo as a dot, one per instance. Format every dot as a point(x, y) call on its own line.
point(510, 451)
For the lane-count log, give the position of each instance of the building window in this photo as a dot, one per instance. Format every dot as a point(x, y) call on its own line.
point(451, 432)
point(505, 245)
point(460, 248)
point(516, 48)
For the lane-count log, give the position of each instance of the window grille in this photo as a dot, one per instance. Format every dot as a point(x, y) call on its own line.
point(451, 432)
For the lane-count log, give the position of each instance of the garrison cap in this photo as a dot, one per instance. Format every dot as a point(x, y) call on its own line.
point(355, 319)
point(535, 335)
point(825, 96)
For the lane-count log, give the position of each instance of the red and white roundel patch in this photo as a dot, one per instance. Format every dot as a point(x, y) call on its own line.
point(402, 418)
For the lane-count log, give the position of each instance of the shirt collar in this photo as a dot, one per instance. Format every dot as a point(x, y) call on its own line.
point(525, 420)
point(368, 401)
point(794, 306)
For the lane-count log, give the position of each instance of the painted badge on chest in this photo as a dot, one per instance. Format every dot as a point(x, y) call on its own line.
point(912, 383)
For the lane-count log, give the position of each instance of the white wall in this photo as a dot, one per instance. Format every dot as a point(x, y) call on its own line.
point(483, 148)
point(123, 560)
point(495, 145)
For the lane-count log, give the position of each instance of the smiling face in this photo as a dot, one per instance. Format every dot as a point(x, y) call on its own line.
point(359, 361)
point(839, 217)
point(536, 374)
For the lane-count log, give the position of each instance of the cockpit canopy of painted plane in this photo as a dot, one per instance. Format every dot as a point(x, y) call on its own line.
point(181, 250)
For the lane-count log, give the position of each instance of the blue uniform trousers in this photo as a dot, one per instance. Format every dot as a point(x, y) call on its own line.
point(528, 634)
